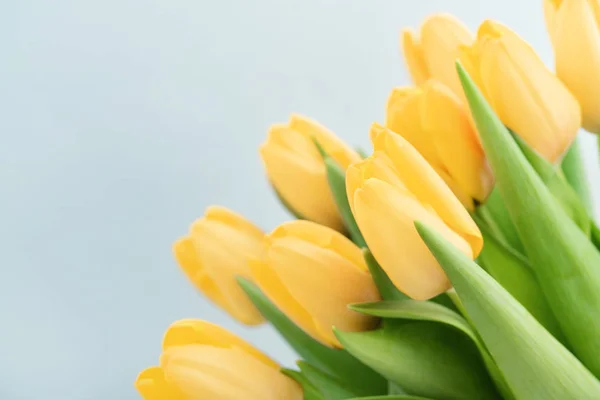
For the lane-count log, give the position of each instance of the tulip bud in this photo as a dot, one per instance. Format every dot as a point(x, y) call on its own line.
point(436, 122)
point(529, 99)
point(387, 193)
point(433, 55)
point(204, 361)
point(297, 171)
point(573, 27)
point(311, 273)
point(214, 253)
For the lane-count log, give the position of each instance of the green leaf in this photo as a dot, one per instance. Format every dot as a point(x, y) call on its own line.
point(424, 358)
point(336, 362)
point(336, 178)
point(310, 391)
point(544, 168)
point(516, 275)
point(394, 397)
point(330, 387)
point(534, 363)
point(565, 262)
point(337, 184)
point(386, 288)
point(556, 182)
point(427, 311)
point(394, 388)
point(416, 310)
point(574, 171)
point(494, 213)
point(595, 235)
point(388, 291)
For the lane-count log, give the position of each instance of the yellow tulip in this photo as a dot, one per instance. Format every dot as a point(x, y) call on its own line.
point(204, 361)
point(390, 190)
point(215, 252)
point(523, 92)
point(297, 171)
point(574, 31)
point(312, 273)
point(434, 53)
point(436, 122)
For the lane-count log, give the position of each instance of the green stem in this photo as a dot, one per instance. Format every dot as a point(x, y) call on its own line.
point(573, 168)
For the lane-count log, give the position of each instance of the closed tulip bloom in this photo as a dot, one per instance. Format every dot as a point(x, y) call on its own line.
point(432, 55)
point(214, 253)
point(388, 192)
point(574, 31)
point(436, 122)
point(204, 361)
point(523, 92)
point(312, 273)
point(297, 171)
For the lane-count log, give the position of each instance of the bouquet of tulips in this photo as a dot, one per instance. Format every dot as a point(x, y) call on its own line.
point(459, 260)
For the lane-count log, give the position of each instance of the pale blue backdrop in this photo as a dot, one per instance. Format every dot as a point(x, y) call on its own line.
point(121, 120)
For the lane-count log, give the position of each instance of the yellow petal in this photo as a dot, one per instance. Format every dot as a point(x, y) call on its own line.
point(371, 167)
point(576, 42)
point(152, 385)
point(436, 122)
point(414, 58)
point(271, 285)
point(458, 191)
point(195, 331)
point(527, 97)
point(335, 147)
point(469, 57)
point(403, 116)
point(386, 218)
point(233, 220)
point(299, 176)
point(322, 237)
point(294, 145)
point(550, 8)
point(188, 260)
point(202, 372)
point(426, 185)
point(446, 122)
point(305, 268)
point(223, 241)
point(441, 37)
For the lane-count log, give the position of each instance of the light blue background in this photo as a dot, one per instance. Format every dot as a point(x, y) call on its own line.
point(121, 120)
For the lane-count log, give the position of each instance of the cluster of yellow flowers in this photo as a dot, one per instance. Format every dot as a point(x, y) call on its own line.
point(427, 165)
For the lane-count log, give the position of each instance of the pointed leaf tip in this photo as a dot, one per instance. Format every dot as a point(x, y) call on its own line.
point(485, 118)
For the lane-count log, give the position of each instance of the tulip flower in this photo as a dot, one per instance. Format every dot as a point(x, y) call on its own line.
point(311, 273)
point(528, 98)
point(437, 123)
point(574, 26)
point(388, 192)
point(214, 253)
point(297, 171)
point(204, 361)
point(434, 53)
